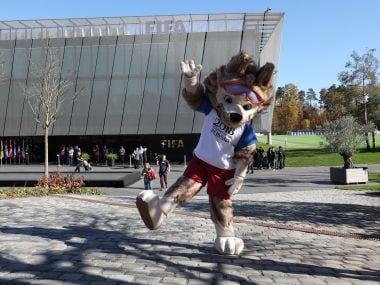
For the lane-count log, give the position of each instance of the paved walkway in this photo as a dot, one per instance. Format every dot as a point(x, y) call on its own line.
point(297, 230)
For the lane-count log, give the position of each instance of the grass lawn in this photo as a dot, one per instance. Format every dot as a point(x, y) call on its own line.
point(373, 188)
point(296, 142)
point(374, 177)
point(303, 151)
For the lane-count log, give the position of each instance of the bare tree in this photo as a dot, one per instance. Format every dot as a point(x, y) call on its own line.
point(46, 94)
point(362, 71)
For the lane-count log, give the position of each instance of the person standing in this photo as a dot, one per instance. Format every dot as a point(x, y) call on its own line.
point(141, 155)
point(136, 158)
point(122, 154)
point(62, 155)
point(104, 154)
point(96, 152)
point(271, 155)
point(281, 158)
point(164, 169)
point(71, 156)
point(251, 164)
point(148, 175)
point(78, 163)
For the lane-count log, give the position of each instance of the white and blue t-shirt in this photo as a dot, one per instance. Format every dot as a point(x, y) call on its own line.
point(218, 142)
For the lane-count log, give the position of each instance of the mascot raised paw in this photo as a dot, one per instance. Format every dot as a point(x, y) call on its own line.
point(230, 97)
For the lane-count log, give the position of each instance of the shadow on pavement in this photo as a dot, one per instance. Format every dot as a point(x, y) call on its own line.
point(148, 252)
point(335, 216)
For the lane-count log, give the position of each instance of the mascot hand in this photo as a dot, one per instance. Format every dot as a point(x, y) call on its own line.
point(190, 72)
point(235, 183)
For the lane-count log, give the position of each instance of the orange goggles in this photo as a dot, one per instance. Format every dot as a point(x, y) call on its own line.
point(237, 88)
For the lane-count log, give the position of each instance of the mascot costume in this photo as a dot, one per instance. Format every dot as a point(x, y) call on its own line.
point(230, 97)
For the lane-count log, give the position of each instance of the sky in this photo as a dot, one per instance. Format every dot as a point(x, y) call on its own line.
point(317, 40)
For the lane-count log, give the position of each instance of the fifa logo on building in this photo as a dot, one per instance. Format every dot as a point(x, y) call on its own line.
point(164, 27)
point(172, 144)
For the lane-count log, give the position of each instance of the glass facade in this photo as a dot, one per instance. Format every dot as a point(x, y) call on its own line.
point(127, 72)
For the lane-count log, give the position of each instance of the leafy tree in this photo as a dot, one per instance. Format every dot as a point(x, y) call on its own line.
point(362, 71)
point(305, 124)
point(323, 98)
point(288, 110)
point(334, 103)
point(311, 96)
point(344, 135)
point(374, 105)
point(301, 97)
point(280, 95)
point(311, 114)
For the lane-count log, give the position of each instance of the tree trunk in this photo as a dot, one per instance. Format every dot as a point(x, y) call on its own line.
point(367, 141)
point(46, 167)
point(347, 159)
point(373, 140)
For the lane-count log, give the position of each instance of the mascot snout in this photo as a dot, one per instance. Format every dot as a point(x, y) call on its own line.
point(235, 117)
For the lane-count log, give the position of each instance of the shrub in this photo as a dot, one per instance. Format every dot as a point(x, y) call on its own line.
point(85, 156)
point(57, 183)
point(344, 136)
point(10, 193)
point(112, 156)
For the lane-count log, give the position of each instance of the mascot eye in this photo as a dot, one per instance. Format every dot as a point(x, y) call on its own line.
point(228, 99)
point(247, 107)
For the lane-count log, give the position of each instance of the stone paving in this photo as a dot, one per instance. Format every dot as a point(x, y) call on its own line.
point(65, 240)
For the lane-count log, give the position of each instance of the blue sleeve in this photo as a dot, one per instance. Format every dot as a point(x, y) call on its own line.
point(205, 107)
point(248, 137)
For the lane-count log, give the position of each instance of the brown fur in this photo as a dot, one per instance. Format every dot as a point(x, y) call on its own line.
point(183, 190)
point(245, 154)
point(194, 99)
point(221, 211)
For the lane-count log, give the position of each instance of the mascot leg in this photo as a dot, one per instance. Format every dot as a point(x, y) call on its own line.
point(222, 216)
point(154, 210)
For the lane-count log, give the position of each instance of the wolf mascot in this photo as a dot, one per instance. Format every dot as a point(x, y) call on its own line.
point(230, 97)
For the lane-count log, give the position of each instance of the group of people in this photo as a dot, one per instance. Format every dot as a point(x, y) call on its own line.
point(139, 157)
point(149, 175)
point(72, 155)
point(271, 159)
point(69, 155)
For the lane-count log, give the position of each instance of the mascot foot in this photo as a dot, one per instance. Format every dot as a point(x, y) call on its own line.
point(149, 208)
point(229, 245)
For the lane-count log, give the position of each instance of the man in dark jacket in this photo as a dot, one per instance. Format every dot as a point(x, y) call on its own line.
point(164, 169)
point(280, 158)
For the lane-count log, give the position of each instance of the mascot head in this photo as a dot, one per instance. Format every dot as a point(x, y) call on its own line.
point(240, 90)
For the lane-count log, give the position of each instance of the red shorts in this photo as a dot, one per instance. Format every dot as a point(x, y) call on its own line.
point(203, 173)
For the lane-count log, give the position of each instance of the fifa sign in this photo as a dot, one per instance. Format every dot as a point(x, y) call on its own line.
point(164, 27)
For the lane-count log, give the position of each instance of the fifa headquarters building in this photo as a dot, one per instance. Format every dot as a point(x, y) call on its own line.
point(127, 69)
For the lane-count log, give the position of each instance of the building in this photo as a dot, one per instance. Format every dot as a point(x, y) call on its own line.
point(128, 71)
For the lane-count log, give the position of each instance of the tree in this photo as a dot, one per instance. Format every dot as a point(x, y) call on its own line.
point(311, 96)
point(288, 110)
point(323, 98)
point(334, 103)
point(344, 136)
point(47, 92)
point(301, 97)
point(362, 71)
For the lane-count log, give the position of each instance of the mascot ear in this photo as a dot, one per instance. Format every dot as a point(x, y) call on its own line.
point(264, 75)
point(238, 63)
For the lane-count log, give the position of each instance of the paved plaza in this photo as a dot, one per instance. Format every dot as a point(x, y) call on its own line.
point(297, 230)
